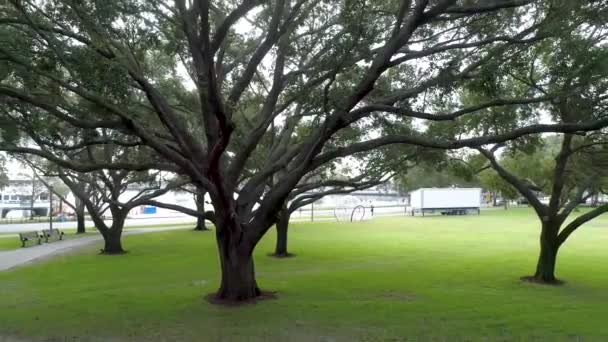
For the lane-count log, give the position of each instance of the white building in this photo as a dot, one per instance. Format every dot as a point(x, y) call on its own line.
point(16, 197)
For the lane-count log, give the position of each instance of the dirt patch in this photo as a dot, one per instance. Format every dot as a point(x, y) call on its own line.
point(282, 256)
point(103, 252)
point(11, 339)
point(534, 280)
point(199, 282)
point(264, 295)
point(393, 296)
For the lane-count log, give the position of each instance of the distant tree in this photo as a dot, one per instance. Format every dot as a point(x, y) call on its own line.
point(427, 176)
point(199, 200)
point(493, 183)
point(198, 197)
point(579, 166)
point(61, 190)
point(534, 168)
point(102, 192)
point(568, 168)
point(438, 169)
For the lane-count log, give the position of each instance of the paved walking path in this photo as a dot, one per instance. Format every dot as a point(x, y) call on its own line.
point(10, 259)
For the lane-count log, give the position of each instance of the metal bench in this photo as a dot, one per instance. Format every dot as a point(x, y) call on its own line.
point(52, 235)
point(29, 237)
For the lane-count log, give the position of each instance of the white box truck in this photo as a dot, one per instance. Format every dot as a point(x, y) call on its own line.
point(447, 201)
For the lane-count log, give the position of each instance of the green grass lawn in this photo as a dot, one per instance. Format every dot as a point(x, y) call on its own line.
point(8, 243)
point(401, 278)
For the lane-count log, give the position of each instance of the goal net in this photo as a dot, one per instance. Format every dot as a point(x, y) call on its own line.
point(350, 209)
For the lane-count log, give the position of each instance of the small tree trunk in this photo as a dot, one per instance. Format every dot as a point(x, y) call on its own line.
point(595, 200)
point(282, 229)
point(200, 224)
point(238, 274)
point(199, 199)
point(112, 243)
point(80, 221)
point(112, 237)
point(545, 268)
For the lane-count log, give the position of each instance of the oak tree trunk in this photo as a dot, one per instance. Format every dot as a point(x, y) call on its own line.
point(282, 226)
point(238, 282)
point(200, 224)
point(199, 199)
point(112, 243)
point(80, 221)
point(595, 200)
point(545, 267)
point(113, 236)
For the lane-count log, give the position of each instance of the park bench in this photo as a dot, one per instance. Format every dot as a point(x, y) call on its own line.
point(29, 237)
point(53, 235)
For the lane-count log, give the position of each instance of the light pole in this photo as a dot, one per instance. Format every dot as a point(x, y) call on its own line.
point(51, 208)
point(312, 212)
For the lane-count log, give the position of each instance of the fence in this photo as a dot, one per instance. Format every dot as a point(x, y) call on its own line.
point(35, 219)
point(312, 213)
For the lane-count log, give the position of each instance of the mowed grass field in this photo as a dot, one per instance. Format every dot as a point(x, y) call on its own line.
point(397, 279)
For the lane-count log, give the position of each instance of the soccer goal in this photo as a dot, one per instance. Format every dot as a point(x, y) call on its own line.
point(349, 209)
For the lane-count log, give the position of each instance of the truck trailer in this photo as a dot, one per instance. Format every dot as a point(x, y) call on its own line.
point(447, 201)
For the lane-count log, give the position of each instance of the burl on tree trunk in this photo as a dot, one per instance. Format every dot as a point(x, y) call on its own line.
point(282, 226)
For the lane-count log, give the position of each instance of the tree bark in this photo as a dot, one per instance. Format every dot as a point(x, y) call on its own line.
point(80, 221)
point(113, 236)
point(238, 273)
point(112, 243)
point(282, 226)
point(200, 225)
point(545, 267)
point(595, 200)
point(199, 199)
